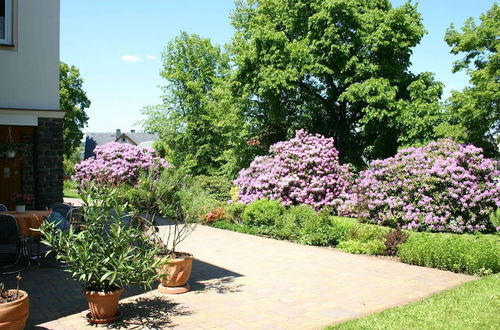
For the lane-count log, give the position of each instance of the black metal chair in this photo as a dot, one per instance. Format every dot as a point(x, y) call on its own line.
point(10, 241)
point(61, 208)
point(3, 208)
point(75, 217)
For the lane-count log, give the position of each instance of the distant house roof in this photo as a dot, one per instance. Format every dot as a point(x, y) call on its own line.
point(93, 140)
point(139, 138)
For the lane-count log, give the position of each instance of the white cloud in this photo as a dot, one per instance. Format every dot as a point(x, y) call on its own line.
point(150, 57)
point(130, 58)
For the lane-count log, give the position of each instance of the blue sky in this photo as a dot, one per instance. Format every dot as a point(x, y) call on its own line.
point(117, 46)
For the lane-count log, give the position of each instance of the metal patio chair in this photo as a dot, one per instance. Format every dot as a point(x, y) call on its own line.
point(10, 241)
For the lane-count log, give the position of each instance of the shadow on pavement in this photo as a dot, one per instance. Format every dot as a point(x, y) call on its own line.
point(54, 294)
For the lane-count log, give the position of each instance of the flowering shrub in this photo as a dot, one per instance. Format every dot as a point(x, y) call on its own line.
point(443, 186)
point(303, 170)
point(215, 215)
point(117, 163)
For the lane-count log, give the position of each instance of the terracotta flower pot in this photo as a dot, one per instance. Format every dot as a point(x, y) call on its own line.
point(178, 271)
point(13, 315)
point(103, 305)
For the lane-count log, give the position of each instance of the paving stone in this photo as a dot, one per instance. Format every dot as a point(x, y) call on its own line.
point(241, 281)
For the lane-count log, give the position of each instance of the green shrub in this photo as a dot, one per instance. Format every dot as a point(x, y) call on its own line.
point(316, 230)
point(340, 228)
point(238, 227)
point(234, 211)
point(495, 218)
point(263, 213)
point(351, 236)
point(365, 232)
point(217, 186)
point(197, 202)
point(471, 254)
point(371, 247)
point(288, 226)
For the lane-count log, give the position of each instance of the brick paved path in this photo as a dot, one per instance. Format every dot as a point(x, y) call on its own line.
point(241, 281)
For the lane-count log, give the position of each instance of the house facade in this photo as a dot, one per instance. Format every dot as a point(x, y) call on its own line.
point(31, 122)
point(134, 138)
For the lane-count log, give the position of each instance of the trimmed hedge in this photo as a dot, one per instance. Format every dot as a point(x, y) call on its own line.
point(465, 253)
point(471, 254)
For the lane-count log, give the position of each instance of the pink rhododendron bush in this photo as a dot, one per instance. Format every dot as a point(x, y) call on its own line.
point(303, 170)
point(443, 186)
point(117, 163)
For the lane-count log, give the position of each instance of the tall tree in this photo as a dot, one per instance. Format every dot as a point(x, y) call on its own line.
point(336, 67)
point(473, 114)
point(199, 122)
point(73, 100)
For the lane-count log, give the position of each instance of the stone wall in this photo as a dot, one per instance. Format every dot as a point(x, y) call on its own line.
point(48, 161)
point(27, 169)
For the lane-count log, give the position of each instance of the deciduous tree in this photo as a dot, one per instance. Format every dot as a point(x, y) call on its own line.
point(335, 67)
point(73, 100)
point(473, 114)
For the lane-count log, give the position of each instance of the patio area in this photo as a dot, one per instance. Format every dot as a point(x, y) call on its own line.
point(241, 281)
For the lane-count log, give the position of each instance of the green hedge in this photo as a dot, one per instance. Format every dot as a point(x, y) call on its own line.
point(471, 254)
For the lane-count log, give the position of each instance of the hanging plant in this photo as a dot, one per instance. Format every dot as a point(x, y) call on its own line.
point(9, 149)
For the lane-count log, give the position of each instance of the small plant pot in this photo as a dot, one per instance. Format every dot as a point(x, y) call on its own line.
point(103, 306)
point(20, 208)
point(178, 271)
point(10, 153)
point(13, 315)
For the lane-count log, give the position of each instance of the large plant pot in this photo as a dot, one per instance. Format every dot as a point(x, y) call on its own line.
point(13, 315)
point(103, 306)
point(178, 270)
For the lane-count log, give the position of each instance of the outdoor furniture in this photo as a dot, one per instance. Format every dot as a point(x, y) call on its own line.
point(10, 240)
point(61, 208)
point(28, 220)
point(75, 217)
point(3, 208)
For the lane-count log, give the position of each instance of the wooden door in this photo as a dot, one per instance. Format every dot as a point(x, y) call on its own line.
point(11, 168)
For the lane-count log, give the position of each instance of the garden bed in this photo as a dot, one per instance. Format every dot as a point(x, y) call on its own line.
point(462, 253)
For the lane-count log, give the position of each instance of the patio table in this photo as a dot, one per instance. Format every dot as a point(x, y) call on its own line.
point(28, 220)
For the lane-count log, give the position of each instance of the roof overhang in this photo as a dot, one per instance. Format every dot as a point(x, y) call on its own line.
point(26, 117)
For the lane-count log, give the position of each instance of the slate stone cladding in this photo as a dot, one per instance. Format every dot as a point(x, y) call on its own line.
point(48, 162)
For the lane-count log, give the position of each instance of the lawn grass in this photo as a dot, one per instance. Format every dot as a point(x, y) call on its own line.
point(473, 305)
point(70, 190)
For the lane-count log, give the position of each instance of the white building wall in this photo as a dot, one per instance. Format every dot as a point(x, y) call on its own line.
point(29, 71)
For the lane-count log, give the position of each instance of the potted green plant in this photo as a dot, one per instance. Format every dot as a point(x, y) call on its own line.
point(20, 200)
point(14, 307)
point(166, 197)
point(106, 252)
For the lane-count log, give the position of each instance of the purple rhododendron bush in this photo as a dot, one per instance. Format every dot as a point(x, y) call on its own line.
point(441, 187)
point(117, 163)
point(303, 170)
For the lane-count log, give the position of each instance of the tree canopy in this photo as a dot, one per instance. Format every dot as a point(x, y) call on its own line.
point(473, 113)
point(335, 67)
point(199, 122)
point(73, 100)
point(340, 68)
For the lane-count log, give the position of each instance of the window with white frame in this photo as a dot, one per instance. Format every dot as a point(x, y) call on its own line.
point(5, 22)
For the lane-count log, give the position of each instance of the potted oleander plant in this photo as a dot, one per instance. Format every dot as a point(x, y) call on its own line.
point(106, 252)
point(14, 307)
point(167, 197)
